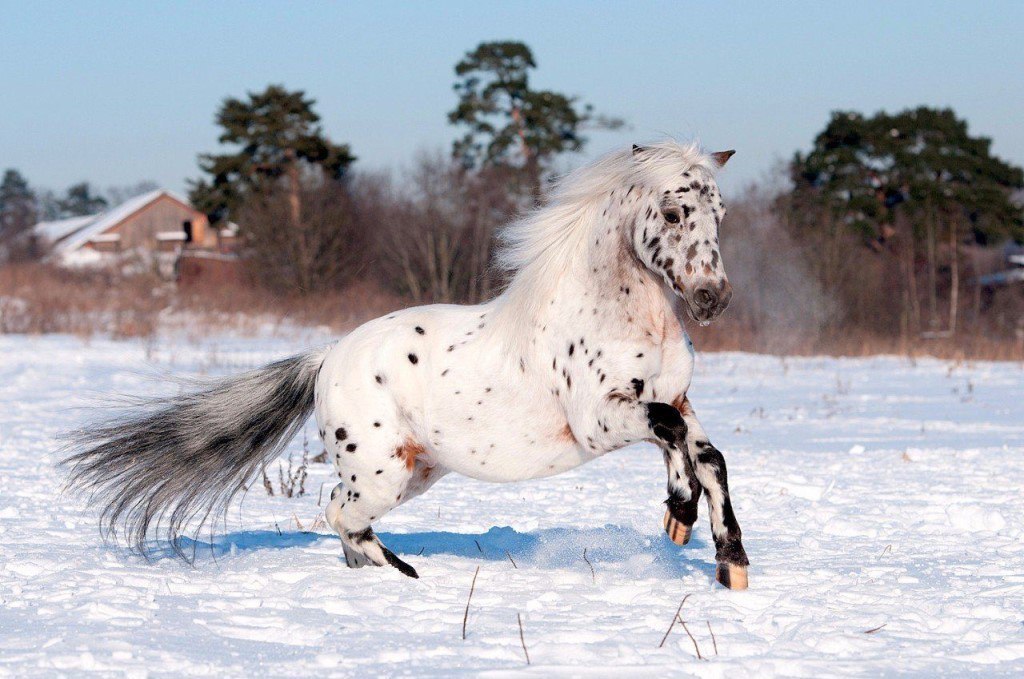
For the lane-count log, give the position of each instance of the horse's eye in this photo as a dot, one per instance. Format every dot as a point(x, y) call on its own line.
point(671, 217)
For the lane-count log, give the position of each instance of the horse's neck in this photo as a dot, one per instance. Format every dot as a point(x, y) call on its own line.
point(608, 285)
point(598, 279)
point(629, 291)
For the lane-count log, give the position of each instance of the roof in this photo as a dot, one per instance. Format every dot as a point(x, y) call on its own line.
point(1002, 277)
point(56, 229)
point(68, 235)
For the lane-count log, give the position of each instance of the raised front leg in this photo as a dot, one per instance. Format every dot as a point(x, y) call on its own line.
point(683, 487)
point(683, 495)
point(708, 465)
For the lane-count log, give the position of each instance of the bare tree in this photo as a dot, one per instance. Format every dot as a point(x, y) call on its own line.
point(324, 250)
point(438, 238)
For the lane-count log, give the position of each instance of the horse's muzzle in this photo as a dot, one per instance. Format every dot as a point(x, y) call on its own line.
point(708, 302)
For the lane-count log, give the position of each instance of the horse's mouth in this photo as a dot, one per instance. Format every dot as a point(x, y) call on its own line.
point(705, 304)
point(702, 316)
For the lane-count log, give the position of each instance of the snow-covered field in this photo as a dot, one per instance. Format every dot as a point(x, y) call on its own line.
point(881, 503)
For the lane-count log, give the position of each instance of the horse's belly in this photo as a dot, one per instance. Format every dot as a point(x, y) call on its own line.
point(511, 462)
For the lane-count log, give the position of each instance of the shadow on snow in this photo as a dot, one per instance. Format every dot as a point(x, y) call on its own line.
point(546, 548)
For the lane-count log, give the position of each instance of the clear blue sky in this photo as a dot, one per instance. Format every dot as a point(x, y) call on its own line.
point(117, 92)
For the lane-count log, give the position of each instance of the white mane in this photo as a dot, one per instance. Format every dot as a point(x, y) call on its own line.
point(569, 211)
point(538, 249)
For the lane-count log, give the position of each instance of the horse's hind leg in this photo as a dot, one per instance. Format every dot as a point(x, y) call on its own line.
point(376, 477)
point(709, 469)
point(352, 523)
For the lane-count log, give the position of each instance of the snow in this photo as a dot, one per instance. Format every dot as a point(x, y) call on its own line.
point(53, 231)
point(880, 501)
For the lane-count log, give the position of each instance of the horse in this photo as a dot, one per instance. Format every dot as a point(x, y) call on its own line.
point(582, 353)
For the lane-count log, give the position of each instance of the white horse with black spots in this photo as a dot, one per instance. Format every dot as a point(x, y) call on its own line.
point(581, 354)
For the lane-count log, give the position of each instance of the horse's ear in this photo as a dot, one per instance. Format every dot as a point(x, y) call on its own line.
point(637, 150)
point(722, 157)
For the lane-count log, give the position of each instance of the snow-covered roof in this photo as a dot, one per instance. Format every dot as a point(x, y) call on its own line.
point(106, 238)
point(54, 230)
point(112, 217)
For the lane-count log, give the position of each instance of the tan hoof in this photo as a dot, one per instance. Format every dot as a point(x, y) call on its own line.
point(732, 576)
point(677, 531)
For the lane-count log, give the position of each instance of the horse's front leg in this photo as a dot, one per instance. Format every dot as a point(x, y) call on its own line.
point(708, 465)
point(683, 494)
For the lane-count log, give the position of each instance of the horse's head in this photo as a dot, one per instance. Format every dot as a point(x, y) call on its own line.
point(676, 235)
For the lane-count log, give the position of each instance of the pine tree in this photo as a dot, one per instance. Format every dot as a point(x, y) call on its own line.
point(80, 200)
point(919, 160)
point(917, 174)
point(17, 216)
point(509, 123)
point(277, 139)
point(17, 205)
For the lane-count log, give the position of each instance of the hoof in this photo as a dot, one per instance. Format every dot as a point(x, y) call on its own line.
point(678, 532)
point(732, 576)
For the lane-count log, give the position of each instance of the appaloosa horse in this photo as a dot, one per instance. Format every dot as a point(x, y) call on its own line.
point(582, 354)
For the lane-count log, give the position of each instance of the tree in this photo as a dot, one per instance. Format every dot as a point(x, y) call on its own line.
point(17, 212)
point(17, 205)
point(439, 236)
point(325, 251)
point(914, 175)
point(866, 169)
point(277, 138)
point(80, 200)
point(507, 122)
point(47, 205)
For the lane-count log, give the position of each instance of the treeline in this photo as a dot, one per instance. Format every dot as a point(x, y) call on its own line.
point(313, 222)
point(876, 236)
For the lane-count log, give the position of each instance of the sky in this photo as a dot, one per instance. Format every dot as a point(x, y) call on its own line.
point(119, 92)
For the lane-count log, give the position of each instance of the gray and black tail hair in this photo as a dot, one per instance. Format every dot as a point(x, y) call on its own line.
point(185, 457)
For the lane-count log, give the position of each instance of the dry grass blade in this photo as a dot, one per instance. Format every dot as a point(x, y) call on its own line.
point(266, 482)
point(320, 495)
point(875, 629)
point(695, 646)
point(511, 559)
point(714, 641)
point(465, 616)
point(521, 639)
point(593, 575)
point(674, 618)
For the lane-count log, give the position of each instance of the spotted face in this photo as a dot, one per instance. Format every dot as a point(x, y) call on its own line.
point(676, 236)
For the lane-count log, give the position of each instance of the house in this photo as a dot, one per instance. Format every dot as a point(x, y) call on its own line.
point(1013, 257)
point(153, 228)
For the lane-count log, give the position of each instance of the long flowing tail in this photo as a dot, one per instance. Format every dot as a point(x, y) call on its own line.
point(185, 457)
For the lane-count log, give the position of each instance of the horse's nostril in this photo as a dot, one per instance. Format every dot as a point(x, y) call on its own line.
point(705, 298)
